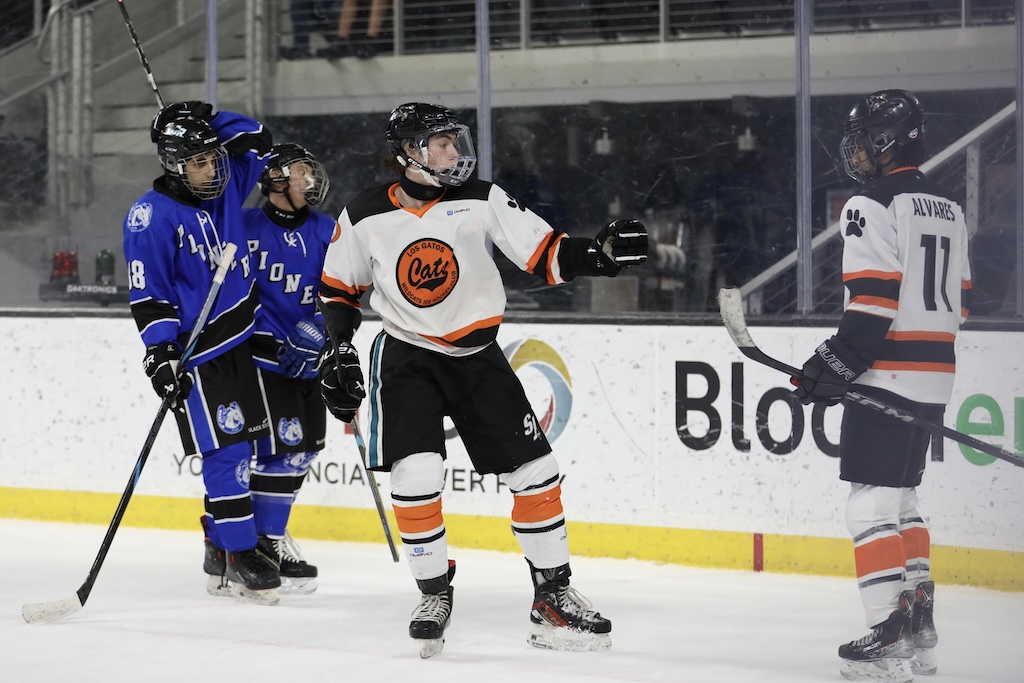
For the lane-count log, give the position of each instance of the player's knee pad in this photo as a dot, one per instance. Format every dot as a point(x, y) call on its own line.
point(540, 472)
point(872, 509)
point(418, 474)
point(286, 463)
point(226, 469)
point(908, 504)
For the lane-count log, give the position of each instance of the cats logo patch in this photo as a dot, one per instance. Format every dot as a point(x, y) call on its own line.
point(427, 272)
point(229, 418)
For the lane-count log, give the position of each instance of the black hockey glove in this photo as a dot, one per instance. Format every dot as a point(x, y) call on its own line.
point(826, 376)
point(300, 350)
point(179, 110)
point(620, 244)
point(161, 365)
point(341, 380)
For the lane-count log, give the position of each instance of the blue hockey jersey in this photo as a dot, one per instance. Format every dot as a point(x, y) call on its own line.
point(172, 245)
point(287, 264)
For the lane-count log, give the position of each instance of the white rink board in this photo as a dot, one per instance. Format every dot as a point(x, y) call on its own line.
point(76, 408)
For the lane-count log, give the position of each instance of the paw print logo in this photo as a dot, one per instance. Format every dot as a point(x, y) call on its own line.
point(855, 224)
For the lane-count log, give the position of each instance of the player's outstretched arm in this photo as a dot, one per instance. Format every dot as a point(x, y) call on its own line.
point(620, 244)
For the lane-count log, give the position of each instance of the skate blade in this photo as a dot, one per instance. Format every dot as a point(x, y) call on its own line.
point(298, 586)
point(548, 637)
point(430, 647)
point(269, 596)
point(218, 586)
point(923, 663)
point(889, 670)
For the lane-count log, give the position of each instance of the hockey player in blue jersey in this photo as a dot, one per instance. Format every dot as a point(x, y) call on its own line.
point(287, 242)
point(173, 237)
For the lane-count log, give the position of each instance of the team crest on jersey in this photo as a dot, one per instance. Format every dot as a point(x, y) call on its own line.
point(427, 272)
point(289, 431)
point(139, 216)
point(229, 418)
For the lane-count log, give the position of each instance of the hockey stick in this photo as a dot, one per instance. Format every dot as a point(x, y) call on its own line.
point(730, 305)
point(49, 612)
point(142, 55)
point(373, 487)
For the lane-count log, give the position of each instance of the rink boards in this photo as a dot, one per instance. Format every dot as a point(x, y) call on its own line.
point(673, 448)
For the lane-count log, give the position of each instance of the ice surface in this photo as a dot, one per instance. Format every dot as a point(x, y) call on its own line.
point(150, 619)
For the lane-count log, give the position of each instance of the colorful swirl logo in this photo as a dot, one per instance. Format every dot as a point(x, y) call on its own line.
point(535, 354)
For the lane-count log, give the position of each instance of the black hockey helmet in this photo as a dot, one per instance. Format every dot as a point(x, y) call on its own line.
point(288, 158)
point(413, 124)
point(186, 146)
point(884, 120)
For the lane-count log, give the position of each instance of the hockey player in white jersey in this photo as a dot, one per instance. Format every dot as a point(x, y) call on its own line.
point(906, 270)
point(421, 243)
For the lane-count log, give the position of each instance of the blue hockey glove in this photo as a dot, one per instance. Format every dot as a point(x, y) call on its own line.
point(341, 380)
point(826, 376)
point(620, 244)
point(297, 355)
point(161, 365)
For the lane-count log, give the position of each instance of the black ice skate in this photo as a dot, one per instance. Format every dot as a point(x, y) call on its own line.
point(923, 628)
point(562, 618)
point(434, 613)
point(254, 577)
point(215, 565)
point(884, 654)
point(297, 575)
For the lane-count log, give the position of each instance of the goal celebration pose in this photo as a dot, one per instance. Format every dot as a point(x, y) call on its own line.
point(906, 270)
point(421, 243)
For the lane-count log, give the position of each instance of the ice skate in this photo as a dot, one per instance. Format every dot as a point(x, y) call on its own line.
point(433, 615)
point(923, 628)
point(297, 575)
point(254, 577)
point(215, 566)
point(561, 618)
point(884, 654)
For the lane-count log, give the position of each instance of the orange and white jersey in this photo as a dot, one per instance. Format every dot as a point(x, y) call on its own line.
point(434, 281)
point(905, 259)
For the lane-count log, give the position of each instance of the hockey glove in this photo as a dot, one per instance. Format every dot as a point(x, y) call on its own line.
point(826, 376)
point(179, 110)
point(341, 380)
point(161, 365)
point(297, 355)
point(620, 244)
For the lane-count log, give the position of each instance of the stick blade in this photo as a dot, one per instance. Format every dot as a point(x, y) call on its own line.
point(730, 305)
point(49, 612)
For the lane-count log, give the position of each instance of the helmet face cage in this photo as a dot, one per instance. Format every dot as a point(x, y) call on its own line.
point(887, 119)
point(289, 160)
point(460, 168)
point(188, 148)
point(414, 124)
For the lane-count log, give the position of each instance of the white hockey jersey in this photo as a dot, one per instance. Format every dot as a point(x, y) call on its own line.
point(434, 281)
point(905, 259)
